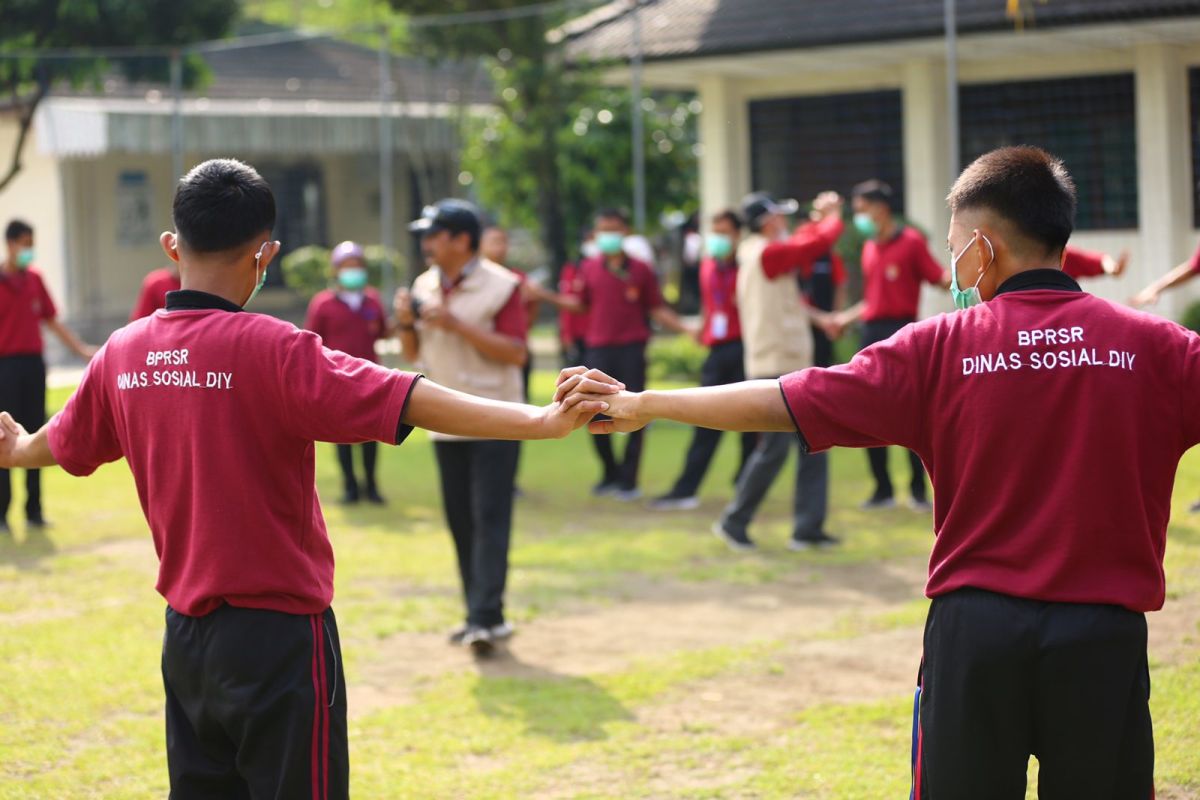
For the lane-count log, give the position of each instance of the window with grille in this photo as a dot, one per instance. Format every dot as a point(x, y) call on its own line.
point(802, 145)
point(1087, 122)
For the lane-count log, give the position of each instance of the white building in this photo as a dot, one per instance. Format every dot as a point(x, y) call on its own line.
point(97, 180)
point(801, 95)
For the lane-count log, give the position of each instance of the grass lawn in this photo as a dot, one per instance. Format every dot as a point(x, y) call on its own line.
point(650, 661)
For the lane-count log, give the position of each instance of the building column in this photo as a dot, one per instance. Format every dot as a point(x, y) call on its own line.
point(927, 173)
point(725, 145)
point(1164, 168)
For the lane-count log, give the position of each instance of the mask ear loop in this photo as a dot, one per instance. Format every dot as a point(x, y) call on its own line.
point(991, 261)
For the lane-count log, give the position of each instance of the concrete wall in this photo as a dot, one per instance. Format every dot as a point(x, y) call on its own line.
point(1166, 234)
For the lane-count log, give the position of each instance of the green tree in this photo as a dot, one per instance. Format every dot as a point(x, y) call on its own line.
point(30, 26)
point(533, 89)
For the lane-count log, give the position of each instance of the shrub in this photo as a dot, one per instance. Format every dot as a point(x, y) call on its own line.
point(307, 269)
point(676, 358)
point(1191, 317)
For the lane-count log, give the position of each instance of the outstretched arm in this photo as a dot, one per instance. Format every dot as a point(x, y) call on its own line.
point(1148, 296)
point(437, 408)
point(748, 406)
point(19, 448)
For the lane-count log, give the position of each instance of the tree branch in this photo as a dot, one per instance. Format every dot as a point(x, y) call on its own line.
point(28, 107)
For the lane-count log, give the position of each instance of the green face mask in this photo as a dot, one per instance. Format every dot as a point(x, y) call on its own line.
point(719, 245)
point(24, 257)
point(610, 242)
point(352, 279)
point(262, 278)
point(970, 297)
point(865, 225)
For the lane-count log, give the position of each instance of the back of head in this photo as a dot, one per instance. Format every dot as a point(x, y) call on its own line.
point(1026, 187)
point(220, 205)
point(875, 191)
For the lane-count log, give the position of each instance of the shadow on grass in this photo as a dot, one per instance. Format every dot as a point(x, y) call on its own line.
point(28, 552)
point(563, 708)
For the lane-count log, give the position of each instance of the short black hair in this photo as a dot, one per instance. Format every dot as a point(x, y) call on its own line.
point(1027, 187)
point(729, 215)
point(612, 212)
point(16, 229)
point(875, 191)
point(222, 204)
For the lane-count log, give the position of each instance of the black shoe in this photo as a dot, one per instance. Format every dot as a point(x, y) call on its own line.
point(39, 522)
point(821, 541)
point(671, 502)
point(4, 529)
point(480, 640)
point(738, 541)
point(373, 496)
point(877, 503)
point(456, 636)
point(349, 499)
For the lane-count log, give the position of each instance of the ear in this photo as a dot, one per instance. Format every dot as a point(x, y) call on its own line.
point(986, 256)
point(269, 252)
point(170, 245)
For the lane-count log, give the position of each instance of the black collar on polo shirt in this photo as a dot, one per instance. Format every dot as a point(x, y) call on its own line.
point(1032, 279)
point(192, 300)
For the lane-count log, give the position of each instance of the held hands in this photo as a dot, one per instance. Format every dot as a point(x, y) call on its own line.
point(10, 432)
point(581, 395)
point(594, 385)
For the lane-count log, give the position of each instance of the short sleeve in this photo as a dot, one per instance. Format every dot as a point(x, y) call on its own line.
point(873, 400)
point(82, 436)
point(332, 397)
point(650, 294)
point(512, 319)
point(1082, 263)
point(1191, 390)
point(928, 267)
point(49, 311)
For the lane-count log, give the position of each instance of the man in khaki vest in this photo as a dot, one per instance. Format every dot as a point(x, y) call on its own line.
point(777, 338)
point(464, 325)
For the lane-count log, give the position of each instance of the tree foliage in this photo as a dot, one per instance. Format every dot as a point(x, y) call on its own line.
point(40, 25)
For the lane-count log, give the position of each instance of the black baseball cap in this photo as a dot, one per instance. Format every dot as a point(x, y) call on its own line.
point(451, 214)
point(757, 205)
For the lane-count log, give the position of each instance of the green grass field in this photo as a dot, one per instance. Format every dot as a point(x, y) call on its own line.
point(650, 661)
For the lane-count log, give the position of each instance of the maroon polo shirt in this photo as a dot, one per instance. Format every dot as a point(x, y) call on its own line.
point(718, 299)
point(342, 327)
point(153, 295)
point(216, 412)
point(24, 306)
point(571, 326)
point(1051, 423)
point(892, 275)
point(618, 301)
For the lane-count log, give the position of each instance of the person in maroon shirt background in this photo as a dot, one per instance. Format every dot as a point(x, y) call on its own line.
point(620, 296)
point(895, 262)
point(351, 318)
point(153, 294)
point(824, 287)
point(1046, 557)
point(26, 305)
point(1079, 263)
point(722, 335)
point(216, 412)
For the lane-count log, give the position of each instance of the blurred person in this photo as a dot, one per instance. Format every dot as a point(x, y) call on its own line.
point(572, 326)
point(825, 290)
point(1047, 555)
point(776, 322)
point(722, 334)
point(351, 318)
point(216, 411)
point(464, 325)
point(153, 294)
point(895, 262)
point(1079, 263)
point(25, 306)
point(620, 295)
point(1180, 275)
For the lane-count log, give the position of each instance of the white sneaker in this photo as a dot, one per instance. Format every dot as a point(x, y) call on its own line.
point(668, 503)
point(502, 632)
point(627, 495)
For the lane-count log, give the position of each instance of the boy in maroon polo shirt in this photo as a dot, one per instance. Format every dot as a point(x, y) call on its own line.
point(25, 306)
point(722, 335)
point(351, 319)
point(216, 412)
point(620, 296)
point(153, 294)
point(1036, 637)
point(895, 262)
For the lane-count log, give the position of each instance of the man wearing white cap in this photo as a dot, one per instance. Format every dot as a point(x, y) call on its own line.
point(350, 318)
